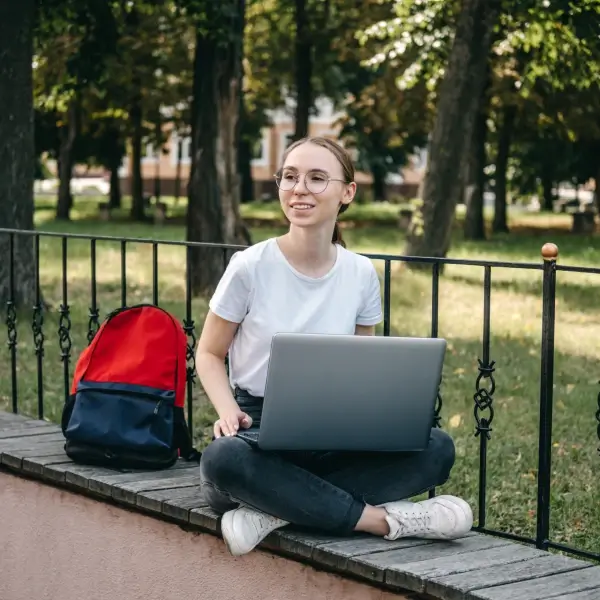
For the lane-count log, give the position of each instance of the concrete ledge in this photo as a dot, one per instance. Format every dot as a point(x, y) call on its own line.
point(476, 567)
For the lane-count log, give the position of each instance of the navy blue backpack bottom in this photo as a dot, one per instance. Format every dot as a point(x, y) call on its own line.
point(117, 458)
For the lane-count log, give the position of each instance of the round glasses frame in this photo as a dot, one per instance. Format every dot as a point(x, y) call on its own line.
point(288, 186)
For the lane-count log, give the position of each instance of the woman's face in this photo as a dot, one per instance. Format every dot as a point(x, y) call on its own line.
point(305, 205)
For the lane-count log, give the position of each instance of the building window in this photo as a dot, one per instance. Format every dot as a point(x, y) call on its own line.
point(260, 150)
point(183, 144)
point(285, 139)
point(149, 153)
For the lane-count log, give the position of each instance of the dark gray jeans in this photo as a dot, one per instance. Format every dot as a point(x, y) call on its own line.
point(320, 490)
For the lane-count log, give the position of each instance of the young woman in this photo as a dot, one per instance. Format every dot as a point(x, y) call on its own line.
point(306, 281)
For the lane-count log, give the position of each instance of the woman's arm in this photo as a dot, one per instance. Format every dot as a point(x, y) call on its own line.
point(364, 330)
point(215, 340)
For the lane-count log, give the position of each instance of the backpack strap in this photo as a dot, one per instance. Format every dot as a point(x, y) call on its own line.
point(183, 440)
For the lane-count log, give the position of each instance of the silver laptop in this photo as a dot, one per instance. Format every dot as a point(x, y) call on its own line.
point(349, 393)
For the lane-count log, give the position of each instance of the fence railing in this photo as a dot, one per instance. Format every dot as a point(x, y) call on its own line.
point(485, 385)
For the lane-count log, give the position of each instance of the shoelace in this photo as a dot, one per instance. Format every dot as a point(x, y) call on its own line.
point(411, 523)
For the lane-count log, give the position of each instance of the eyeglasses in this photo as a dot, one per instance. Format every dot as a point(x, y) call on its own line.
point(316, 182)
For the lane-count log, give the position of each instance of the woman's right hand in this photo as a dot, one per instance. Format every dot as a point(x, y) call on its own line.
point(230, 422)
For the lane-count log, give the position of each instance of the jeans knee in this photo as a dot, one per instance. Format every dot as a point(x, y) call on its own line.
point(222, 460)
point(442, 446)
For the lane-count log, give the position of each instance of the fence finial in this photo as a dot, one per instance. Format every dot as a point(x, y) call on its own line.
point(549, 251)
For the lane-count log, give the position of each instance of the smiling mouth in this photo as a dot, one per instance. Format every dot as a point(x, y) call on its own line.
point(302, 206)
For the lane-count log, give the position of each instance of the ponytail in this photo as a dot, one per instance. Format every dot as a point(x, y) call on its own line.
point(337, 231)
point(337, 236)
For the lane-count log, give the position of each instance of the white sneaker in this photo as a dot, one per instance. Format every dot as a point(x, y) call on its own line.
point(244, 528)
point(439, 518)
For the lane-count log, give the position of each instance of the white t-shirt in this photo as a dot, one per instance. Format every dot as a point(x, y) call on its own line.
point(263, 292)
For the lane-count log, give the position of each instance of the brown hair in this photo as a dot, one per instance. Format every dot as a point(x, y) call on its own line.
point(343, 158)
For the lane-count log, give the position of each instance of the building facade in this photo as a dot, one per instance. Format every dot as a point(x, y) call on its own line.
point(266, 161)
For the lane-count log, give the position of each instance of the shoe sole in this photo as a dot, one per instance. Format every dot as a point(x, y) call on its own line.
point(228, 537)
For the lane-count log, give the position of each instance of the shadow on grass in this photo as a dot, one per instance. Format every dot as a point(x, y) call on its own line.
point(581, 250)
point(578, 297)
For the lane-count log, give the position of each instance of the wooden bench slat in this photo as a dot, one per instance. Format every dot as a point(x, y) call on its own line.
point(13, 457)
point(38, 448)
point(336, 554)
point(74, 474)
point(8, 418)
point(105, 482)
point(376, 566)
point(128, 492)
point(593, 594)
point(290, 540)
point(206, 518)
point(25, 425)
point(24, 430)
point(458, 586)
point(35, 464)
point(542, 588)
point(175, 503)
point(23, 443)
point(416, 575)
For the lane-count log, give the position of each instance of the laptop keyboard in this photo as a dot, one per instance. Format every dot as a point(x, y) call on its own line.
point(251, 436)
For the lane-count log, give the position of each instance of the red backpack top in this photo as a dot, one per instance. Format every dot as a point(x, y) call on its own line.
point(154, 355)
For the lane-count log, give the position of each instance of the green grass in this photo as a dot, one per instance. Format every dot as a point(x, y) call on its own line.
point(515, 346)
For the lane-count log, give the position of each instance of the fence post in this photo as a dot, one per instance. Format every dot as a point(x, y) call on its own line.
point(485, 387)
point(549, 254)
point(11, 322)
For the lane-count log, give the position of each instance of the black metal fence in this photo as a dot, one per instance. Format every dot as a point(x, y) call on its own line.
point(485, 384)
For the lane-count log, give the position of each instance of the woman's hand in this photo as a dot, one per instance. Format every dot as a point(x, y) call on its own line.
point(230, 422)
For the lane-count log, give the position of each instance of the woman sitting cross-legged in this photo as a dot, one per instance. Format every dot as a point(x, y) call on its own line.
point(306, 281)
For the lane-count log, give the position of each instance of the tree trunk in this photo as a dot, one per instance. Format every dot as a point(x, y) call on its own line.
point(178, 170)
point(459, 96)
point(245, 168)
point(17, 150)
point(114, 164)
point(303, 60)
point(378, 172)
point(157, 187)
point(500, 222)
point(214, 188)
point(474, 226)
point(115, 186)
point(547, 177)
point(137, 183)
point(597, 188)
point(245, 149)
point(67, 136)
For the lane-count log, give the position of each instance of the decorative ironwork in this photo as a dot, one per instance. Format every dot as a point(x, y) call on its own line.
point(37, 324)
point(64, 333)
point(189, 328)
point(437, 417)
point(11, 324)
point(93, 323)
point(484, 398)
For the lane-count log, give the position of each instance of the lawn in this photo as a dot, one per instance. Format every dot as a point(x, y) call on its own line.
point(515, 345)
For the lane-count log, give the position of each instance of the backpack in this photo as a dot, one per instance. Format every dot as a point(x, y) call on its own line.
point(125, 409)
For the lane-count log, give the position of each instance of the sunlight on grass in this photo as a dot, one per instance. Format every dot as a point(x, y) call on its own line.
point(516, 310)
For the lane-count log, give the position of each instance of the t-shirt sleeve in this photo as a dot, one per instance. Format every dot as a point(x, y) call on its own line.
point(231, 300)
point(370, 312)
